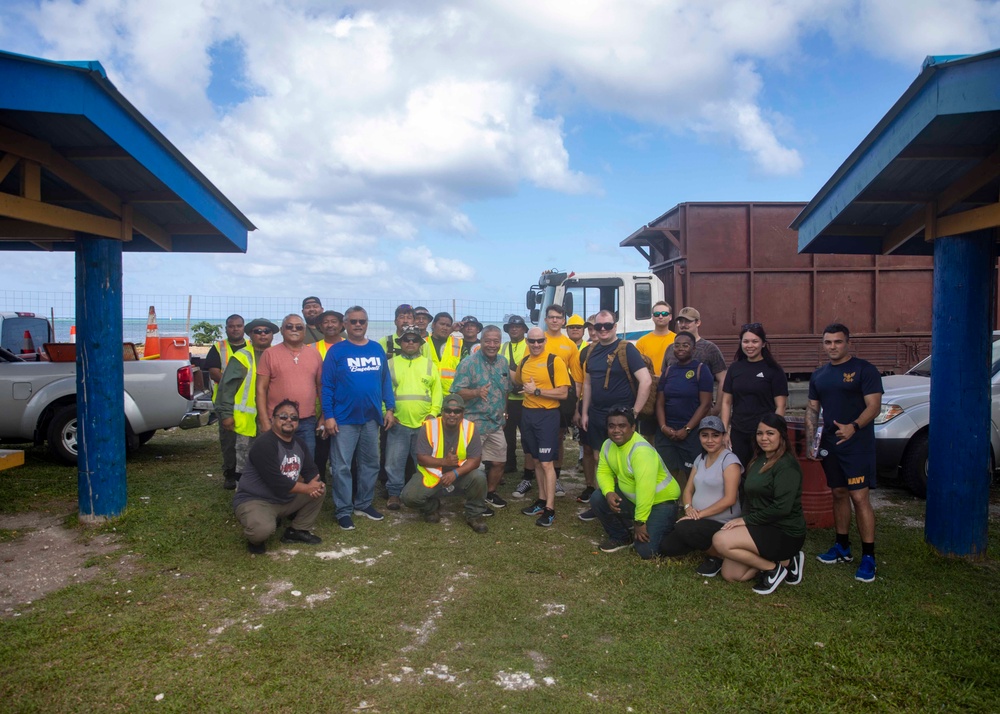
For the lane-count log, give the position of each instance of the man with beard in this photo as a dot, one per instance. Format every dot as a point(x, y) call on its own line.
point(312, 308)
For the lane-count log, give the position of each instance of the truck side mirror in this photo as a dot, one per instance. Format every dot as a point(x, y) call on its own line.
point(568, 304)
point(529, 300)
point(535, 313)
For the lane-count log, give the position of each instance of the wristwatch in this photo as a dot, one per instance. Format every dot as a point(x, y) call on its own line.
point(639, 523)
point(538, 392)
point(855, 425)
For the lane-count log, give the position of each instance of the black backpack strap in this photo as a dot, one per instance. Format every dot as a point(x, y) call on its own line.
point(551, 364)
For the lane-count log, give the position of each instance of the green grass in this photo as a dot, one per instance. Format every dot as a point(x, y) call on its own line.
point(213, 629)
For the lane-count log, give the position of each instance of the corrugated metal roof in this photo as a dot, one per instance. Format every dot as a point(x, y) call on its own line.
point(943, 127)
point(73, 109)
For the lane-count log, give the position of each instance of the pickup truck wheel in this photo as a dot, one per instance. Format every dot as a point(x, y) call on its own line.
point(914, 465)
point(62, 435)
point(146, 436)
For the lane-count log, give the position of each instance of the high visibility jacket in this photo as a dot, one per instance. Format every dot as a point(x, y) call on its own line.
point(245, 406)
point(639, 472)
point(417, 387)
point(225, 352)
point(515, 352)
point(446, 362)
point(322, 347)
point(435, 437)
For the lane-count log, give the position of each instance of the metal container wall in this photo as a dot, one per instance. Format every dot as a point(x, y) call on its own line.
point(739, 263)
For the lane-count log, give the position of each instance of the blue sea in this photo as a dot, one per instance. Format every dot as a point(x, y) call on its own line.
point(134, 329)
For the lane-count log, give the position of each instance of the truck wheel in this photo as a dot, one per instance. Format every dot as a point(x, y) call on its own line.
point(914, 465)
point(146, 436)
point(62, 435)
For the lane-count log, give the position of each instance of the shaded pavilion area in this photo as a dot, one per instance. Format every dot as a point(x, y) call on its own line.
point(82, 170)
point(926, 180)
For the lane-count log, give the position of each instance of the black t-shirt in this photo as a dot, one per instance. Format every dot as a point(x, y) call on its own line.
point(619, 389)
point(754, 385)
point(273, 467)
point(840, 389)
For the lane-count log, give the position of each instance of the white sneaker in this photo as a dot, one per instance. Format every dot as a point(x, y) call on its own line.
point(522, 489)
point(560, 491)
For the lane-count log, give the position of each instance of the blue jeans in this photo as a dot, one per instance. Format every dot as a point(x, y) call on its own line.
point(659, 522)
point(351, 438)
point(400, 442)
point(307, 432)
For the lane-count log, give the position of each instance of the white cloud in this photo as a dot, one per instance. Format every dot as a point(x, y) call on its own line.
point(435, 269)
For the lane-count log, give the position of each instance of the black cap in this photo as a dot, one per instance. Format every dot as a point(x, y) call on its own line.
point(471, 320)
point(516, 320)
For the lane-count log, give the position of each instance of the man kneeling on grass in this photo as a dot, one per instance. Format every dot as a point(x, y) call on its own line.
point(280, 480)
point(634, 486)
point(449, 453)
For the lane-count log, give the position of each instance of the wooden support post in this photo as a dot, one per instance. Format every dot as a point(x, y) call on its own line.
point(100, 382)
point(958, 478)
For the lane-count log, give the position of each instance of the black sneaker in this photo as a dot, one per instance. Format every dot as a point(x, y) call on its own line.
point(535, 509)
point(257, 548)
point(493, 500)
point(710, 567)
point(229, 484)
point(610, 545)
point(585, 495)
point(296, 536)
point(488, 514)
point(547, 518)
point(587, 515)
point(795, 566)
point(769, 580)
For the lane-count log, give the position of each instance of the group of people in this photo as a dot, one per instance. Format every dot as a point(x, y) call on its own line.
point(679, 453)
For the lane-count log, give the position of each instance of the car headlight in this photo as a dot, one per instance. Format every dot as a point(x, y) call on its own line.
point(888, 412)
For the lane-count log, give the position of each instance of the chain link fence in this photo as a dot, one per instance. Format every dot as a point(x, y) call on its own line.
point(177, 314)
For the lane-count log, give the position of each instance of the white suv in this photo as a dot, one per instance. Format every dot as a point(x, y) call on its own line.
point(901, 428)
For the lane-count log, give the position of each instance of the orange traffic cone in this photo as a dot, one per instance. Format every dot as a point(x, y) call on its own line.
point(152, 348)
point(28, 348)
point(72, 334)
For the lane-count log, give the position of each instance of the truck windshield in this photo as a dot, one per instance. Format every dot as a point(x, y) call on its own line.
point(923, 367)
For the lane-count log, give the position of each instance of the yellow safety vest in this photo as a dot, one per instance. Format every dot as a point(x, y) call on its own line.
point(414, 384)
point(245, 404)
point(448, 362)
point(435, 437)
point(225, 352)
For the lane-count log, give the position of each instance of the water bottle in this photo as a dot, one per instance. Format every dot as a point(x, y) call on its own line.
point(818, 453)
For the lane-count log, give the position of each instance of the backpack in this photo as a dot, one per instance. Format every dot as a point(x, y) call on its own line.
point(649, 408)
point(567, 406)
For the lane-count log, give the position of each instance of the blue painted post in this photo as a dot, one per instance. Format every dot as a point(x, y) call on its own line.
point(100, 382)
point(958, 476)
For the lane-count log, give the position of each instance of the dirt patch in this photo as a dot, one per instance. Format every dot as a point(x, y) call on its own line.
point(46, 558)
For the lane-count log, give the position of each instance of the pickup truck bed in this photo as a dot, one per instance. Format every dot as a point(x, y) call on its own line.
point(38, 402)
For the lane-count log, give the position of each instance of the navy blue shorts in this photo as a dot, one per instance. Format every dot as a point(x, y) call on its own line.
point(851, 471)
point(540, 433)
point(597, 428)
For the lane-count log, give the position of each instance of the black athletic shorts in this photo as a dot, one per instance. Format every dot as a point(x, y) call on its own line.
point(774, 544)
point(850, 471)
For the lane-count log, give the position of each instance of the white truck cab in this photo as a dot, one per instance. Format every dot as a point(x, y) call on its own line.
point(630, 296)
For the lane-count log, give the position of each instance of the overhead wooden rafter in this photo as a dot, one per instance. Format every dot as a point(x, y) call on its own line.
point(29, 207)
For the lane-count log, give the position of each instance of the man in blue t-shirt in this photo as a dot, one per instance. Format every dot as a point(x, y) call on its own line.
point(849, 391)
point(356, 384)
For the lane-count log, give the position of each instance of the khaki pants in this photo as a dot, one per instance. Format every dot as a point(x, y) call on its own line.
point(427, 500)
point(259, 517)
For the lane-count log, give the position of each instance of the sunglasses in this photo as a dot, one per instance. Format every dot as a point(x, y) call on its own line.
point(261, 331)
point(288, 417)
point(294, 328)
point(452, 411)
point(661, 314)
point(410, 340)
point(539, 341)
point(620, 410)
point(358, 321)
point(604, 326)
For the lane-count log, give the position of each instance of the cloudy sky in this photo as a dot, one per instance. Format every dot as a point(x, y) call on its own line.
point(415, 149)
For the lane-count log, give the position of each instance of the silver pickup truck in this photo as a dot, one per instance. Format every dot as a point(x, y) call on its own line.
point(38, 402)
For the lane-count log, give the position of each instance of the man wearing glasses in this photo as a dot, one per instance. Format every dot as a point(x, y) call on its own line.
point(356, 385)
point(280, 480)
point(569, 352)
point(545, 381)
point(417, 390)
point(290, 371)
point(483, 381)
point(449, 453)
point(312, 310)
point(236, 400)
point(705, 351)
point(608, 384)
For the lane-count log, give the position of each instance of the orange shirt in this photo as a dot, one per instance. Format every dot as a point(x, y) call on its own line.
point(565, 349)
point(655, 347)
point(537, 369)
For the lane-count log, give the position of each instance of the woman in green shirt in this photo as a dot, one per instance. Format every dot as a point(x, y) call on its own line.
point(766, 542)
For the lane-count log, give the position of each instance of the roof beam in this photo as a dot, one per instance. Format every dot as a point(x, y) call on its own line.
point(7, 164)
point(975, 219)
point(41, 152)
point(22, 230)
point(945, 152)
point(46, 214)
point(853, 229)
point(903, 197)
point(974, 179)
point(93, 152)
